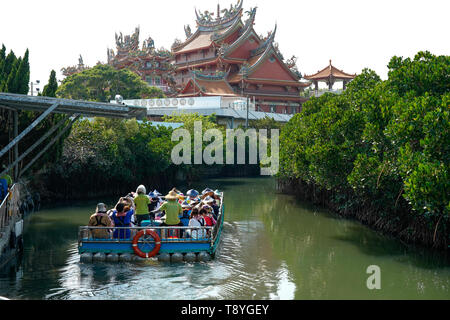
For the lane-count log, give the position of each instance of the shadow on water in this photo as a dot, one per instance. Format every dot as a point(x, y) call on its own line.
point(372, 243)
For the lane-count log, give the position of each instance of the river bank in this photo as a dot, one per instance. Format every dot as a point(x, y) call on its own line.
point(400, 224)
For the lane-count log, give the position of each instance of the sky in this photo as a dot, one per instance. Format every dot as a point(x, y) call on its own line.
point(354, 34)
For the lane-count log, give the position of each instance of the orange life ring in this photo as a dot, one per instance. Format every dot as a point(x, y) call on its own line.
point(138, 251)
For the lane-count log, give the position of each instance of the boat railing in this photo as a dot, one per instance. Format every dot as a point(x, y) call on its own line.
point(126, 234)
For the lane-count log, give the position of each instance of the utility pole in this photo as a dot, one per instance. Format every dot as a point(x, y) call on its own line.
point(248, 105)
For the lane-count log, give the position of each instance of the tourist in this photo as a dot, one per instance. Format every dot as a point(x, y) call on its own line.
point(192, 195)
point(122, 219)
point(206, 213)
point(5, 185)
point(100, 219)
point(201, 214)
point(172, 210)
point(154, 205)
point(186, 213)
point(207, 193)
point(142, 202)
point(196, 232)
point(212, 203)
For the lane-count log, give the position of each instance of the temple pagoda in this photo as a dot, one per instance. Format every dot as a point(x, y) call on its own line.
point(152, 65)
point(226, 57)
point(330, 75)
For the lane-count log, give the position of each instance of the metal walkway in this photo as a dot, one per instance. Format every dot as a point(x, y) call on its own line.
point(72, 108)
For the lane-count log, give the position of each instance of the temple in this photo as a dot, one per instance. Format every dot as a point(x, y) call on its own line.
point(330, 75)
point(226, 57)
point(152, 65)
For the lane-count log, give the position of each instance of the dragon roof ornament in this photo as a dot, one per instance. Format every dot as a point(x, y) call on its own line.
point(206, 22)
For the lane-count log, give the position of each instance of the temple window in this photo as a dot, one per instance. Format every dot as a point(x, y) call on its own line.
point(293, 109)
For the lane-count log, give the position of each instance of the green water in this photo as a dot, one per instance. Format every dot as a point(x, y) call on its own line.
point(273, 247)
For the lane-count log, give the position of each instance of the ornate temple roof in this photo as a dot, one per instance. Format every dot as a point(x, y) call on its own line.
point(330, 71)
point(205, 22)
point(211, 30)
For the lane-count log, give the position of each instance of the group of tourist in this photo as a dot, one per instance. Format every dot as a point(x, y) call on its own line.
point(139, 209)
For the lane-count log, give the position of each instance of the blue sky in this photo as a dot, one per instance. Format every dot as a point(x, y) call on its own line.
point(354, 34)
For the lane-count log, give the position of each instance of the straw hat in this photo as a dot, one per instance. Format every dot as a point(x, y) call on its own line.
point(172, 195)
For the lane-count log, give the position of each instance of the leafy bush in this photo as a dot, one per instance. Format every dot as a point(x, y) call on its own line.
point(384, 145)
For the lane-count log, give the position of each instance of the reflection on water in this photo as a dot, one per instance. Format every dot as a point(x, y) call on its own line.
point(273, 247)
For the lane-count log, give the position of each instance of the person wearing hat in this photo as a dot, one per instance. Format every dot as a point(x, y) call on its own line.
point(100, 219)
point(206, 212)
point(172, 210)
point(154, 205)
point(142, 202)
point(186, 213)
point(207, 193)
point(212, 203)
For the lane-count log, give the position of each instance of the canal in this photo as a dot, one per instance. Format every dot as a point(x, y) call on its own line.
point(273, 247)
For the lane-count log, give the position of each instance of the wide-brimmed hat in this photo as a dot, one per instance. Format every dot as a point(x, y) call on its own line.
point(208, 199)
point(157, 193)
point(207, 190)
point(101, 207)
point(172, 195)
point(192, 193)
point(141, 189)
point(185, 204)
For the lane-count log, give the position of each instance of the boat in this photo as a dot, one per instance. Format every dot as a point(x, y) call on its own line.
point(151, 241)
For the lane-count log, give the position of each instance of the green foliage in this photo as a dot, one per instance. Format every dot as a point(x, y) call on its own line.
point(383, 145)
point(102, 83)
point(52, 86)
point(109, 156)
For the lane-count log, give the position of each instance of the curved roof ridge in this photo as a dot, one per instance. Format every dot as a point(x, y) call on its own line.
point(247, 29)
point(268, 43)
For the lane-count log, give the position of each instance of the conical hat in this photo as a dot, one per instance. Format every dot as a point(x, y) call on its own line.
point(172, 195)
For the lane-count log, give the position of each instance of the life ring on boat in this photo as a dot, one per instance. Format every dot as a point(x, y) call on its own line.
point(138, 251)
